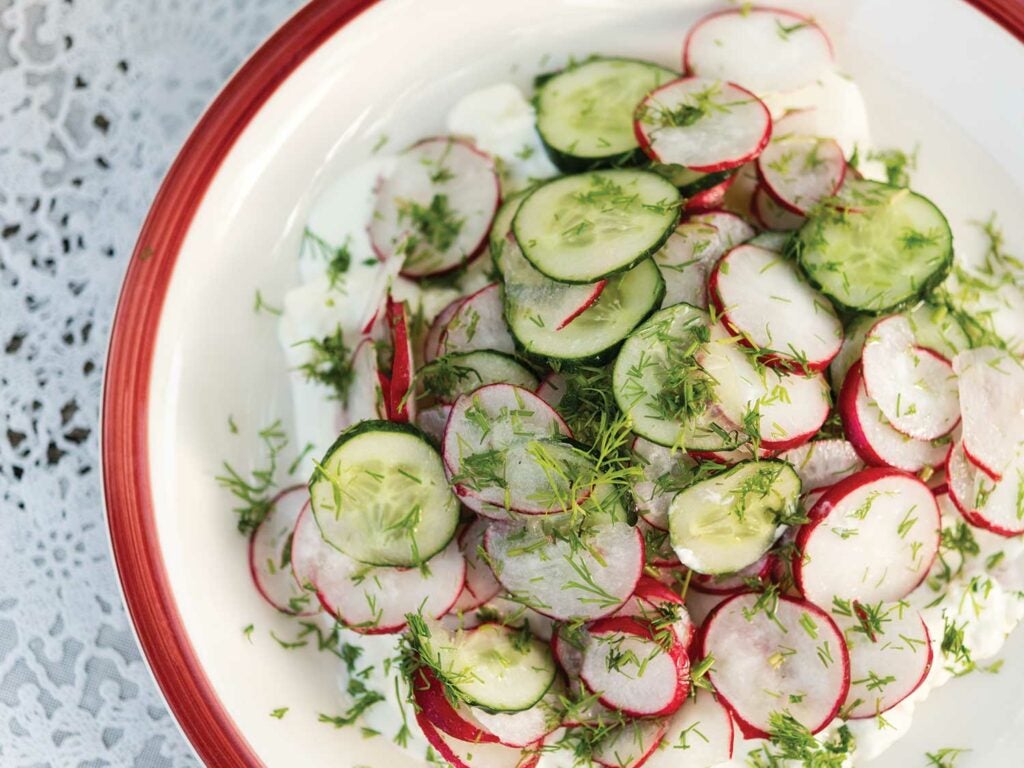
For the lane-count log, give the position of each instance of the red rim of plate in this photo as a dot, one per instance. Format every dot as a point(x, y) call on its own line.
point(144, 583)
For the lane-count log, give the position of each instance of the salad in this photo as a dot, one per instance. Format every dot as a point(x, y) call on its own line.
point(656, 421)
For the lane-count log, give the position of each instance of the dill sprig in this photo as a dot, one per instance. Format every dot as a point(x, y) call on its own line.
point(789, 740)
point(338, 259)
point(255, 494)
point(329, 364)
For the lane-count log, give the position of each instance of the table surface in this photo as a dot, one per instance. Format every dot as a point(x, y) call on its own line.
point(96, 96)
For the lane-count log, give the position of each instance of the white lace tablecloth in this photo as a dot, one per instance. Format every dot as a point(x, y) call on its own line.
point(96, 96)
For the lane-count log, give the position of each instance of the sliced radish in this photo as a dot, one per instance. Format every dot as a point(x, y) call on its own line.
point(739, 198)
point(552, 389)
point(433, 420)
point(657, 545)
point(872, 537)
point(430, 699)
point(306, 549)
point(478, 323)
point(915, 388)
point(771, 215)
point(374, 601)
point(401, 403)
point(521, 729)
point(367, 398)
point(761, 297)
point(732, 229)
point(480, 586)
point(801, 171)
point(432, 341)
point(701, 604)
point(789, 656)
point(633, 670)
point(665, 472)
point(656, 603)
point(875, 439)
point(583, 578)
point(703, 124)
point(992, 399)
point(709, 199)
point(765, 49)
point(890, 655)
point(685, 260)
point(733, 583)
point(630, 745)
point(822, 463)
point(473, 754)
point(699, 735)
point(995, 505)
point(270, 554)
point(436, 207)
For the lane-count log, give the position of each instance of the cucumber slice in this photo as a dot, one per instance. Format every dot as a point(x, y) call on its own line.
point(727, 522)
point(502, 227)
point(578, 229)
point(877, 248)
point(690, 182)
point(380, 496)
point(585, 113)
point(450, 376)
point(659, 382)
point(626, 300)
point(494, 667)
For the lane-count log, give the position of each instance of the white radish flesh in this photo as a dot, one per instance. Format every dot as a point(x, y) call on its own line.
point(306, 549)
point(630, 745)
point(992, 400)
point(699, 735)
point(771, 215)
point(521, 729)
point(271, 554)
point(433, 420)
point(366, 396)
point(872, 537)
point(666, 471)
point(915, 388)
point(478, 323)
point(480, 586)
point(788, 657)
point(994, 505)
point(801, 171)
point(432, 341)
point(654, 602)
point(822, 463)
point(685, 261)
point(466, 754)
point(732, 229)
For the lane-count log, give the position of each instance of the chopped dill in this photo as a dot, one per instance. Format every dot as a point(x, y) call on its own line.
point(329, 364)
point(255, 494)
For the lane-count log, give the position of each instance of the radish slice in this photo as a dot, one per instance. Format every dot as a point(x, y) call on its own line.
point(473, 754)
point(656, 603)
point(771, 215)
point(915, 388)
point(306, 547)
point(702, 124)
point(366, 394)
point(992, 399)
point(478, 323)
point(480, 586)
point(822, 463)
point(436, 207)
point(552, 389)
point(890, 655)
point(875, 439)
point(699, 735)
point(685, 260)
point(375, 601)
point(544, 573)
point(665, 473)
point(630, 745)
point(765, 49)
point(521, 729)
point(732, 229)
point(270, 554)
point(430, 699)
point(872, 537)
point(657, 546)
point(432, 341)
point(801, 171)
point(433, 420)
point(788, 658)
point(995, 505)
point(634, 671)
point(739, 198)
point(733, 583)
point(709, 199)
point(761, 297)
point(401, 403)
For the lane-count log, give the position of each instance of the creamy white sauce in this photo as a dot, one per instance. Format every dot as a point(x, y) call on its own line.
point(500, 120)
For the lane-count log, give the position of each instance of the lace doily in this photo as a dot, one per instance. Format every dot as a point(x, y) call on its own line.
point(95, 98)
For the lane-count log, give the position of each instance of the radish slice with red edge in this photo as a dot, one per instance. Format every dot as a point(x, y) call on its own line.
point(992, 400)
point(306, 546)
point(633, 670)
point(657, 604)
point(666, 471)
point(478, 323)
point(685, 260)
point(732, 229)
point(733, 583)
point(521, 729)
point(699, 735)
point(432, 341)
point(709, 199)
point(890, 655)
point(765, 49)
point(773, 657)
point(702, 124)
point(367, 395)
point(543, 572)
point(993, 505)
point(401, 403)
point(915, 388)
point(801, 171)
point(763, 298)
point(630, 745)
point(872, 537)
point(481, 586)
point(872, 436)
point(376, 600)
point(435, 208)
point(433, 420)
point(771, 215)
point(475, 754)
point(552, 389)
point(822, 463)
point(430, 699)
point(270, 554)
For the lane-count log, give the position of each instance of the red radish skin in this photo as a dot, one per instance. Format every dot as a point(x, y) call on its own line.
point(481, 585)
point(799, 189)
point(992, 505)
point(652, 601)
point(268, 543)
point(709, 199)
point(895, 512)
point(772, 216)
point(428, 694)
point(662, 694)
point(736, 630)
point(697, 146)
point(432, 341)
point(466, 754)
point(552, 389)
point(598, 289)
point(991, 384)
point(401, 403)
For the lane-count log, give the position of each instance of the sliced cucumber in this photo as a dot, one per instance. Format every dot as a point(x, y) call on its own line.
point(448, 377)
point(502, 226)
point(659, 382)
point(585, 113)
point(626, 300)
point(494, 667)
point(875, 249)
point(380, 495)
point(690, 182)
point(578, 229)
point(727, 522)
